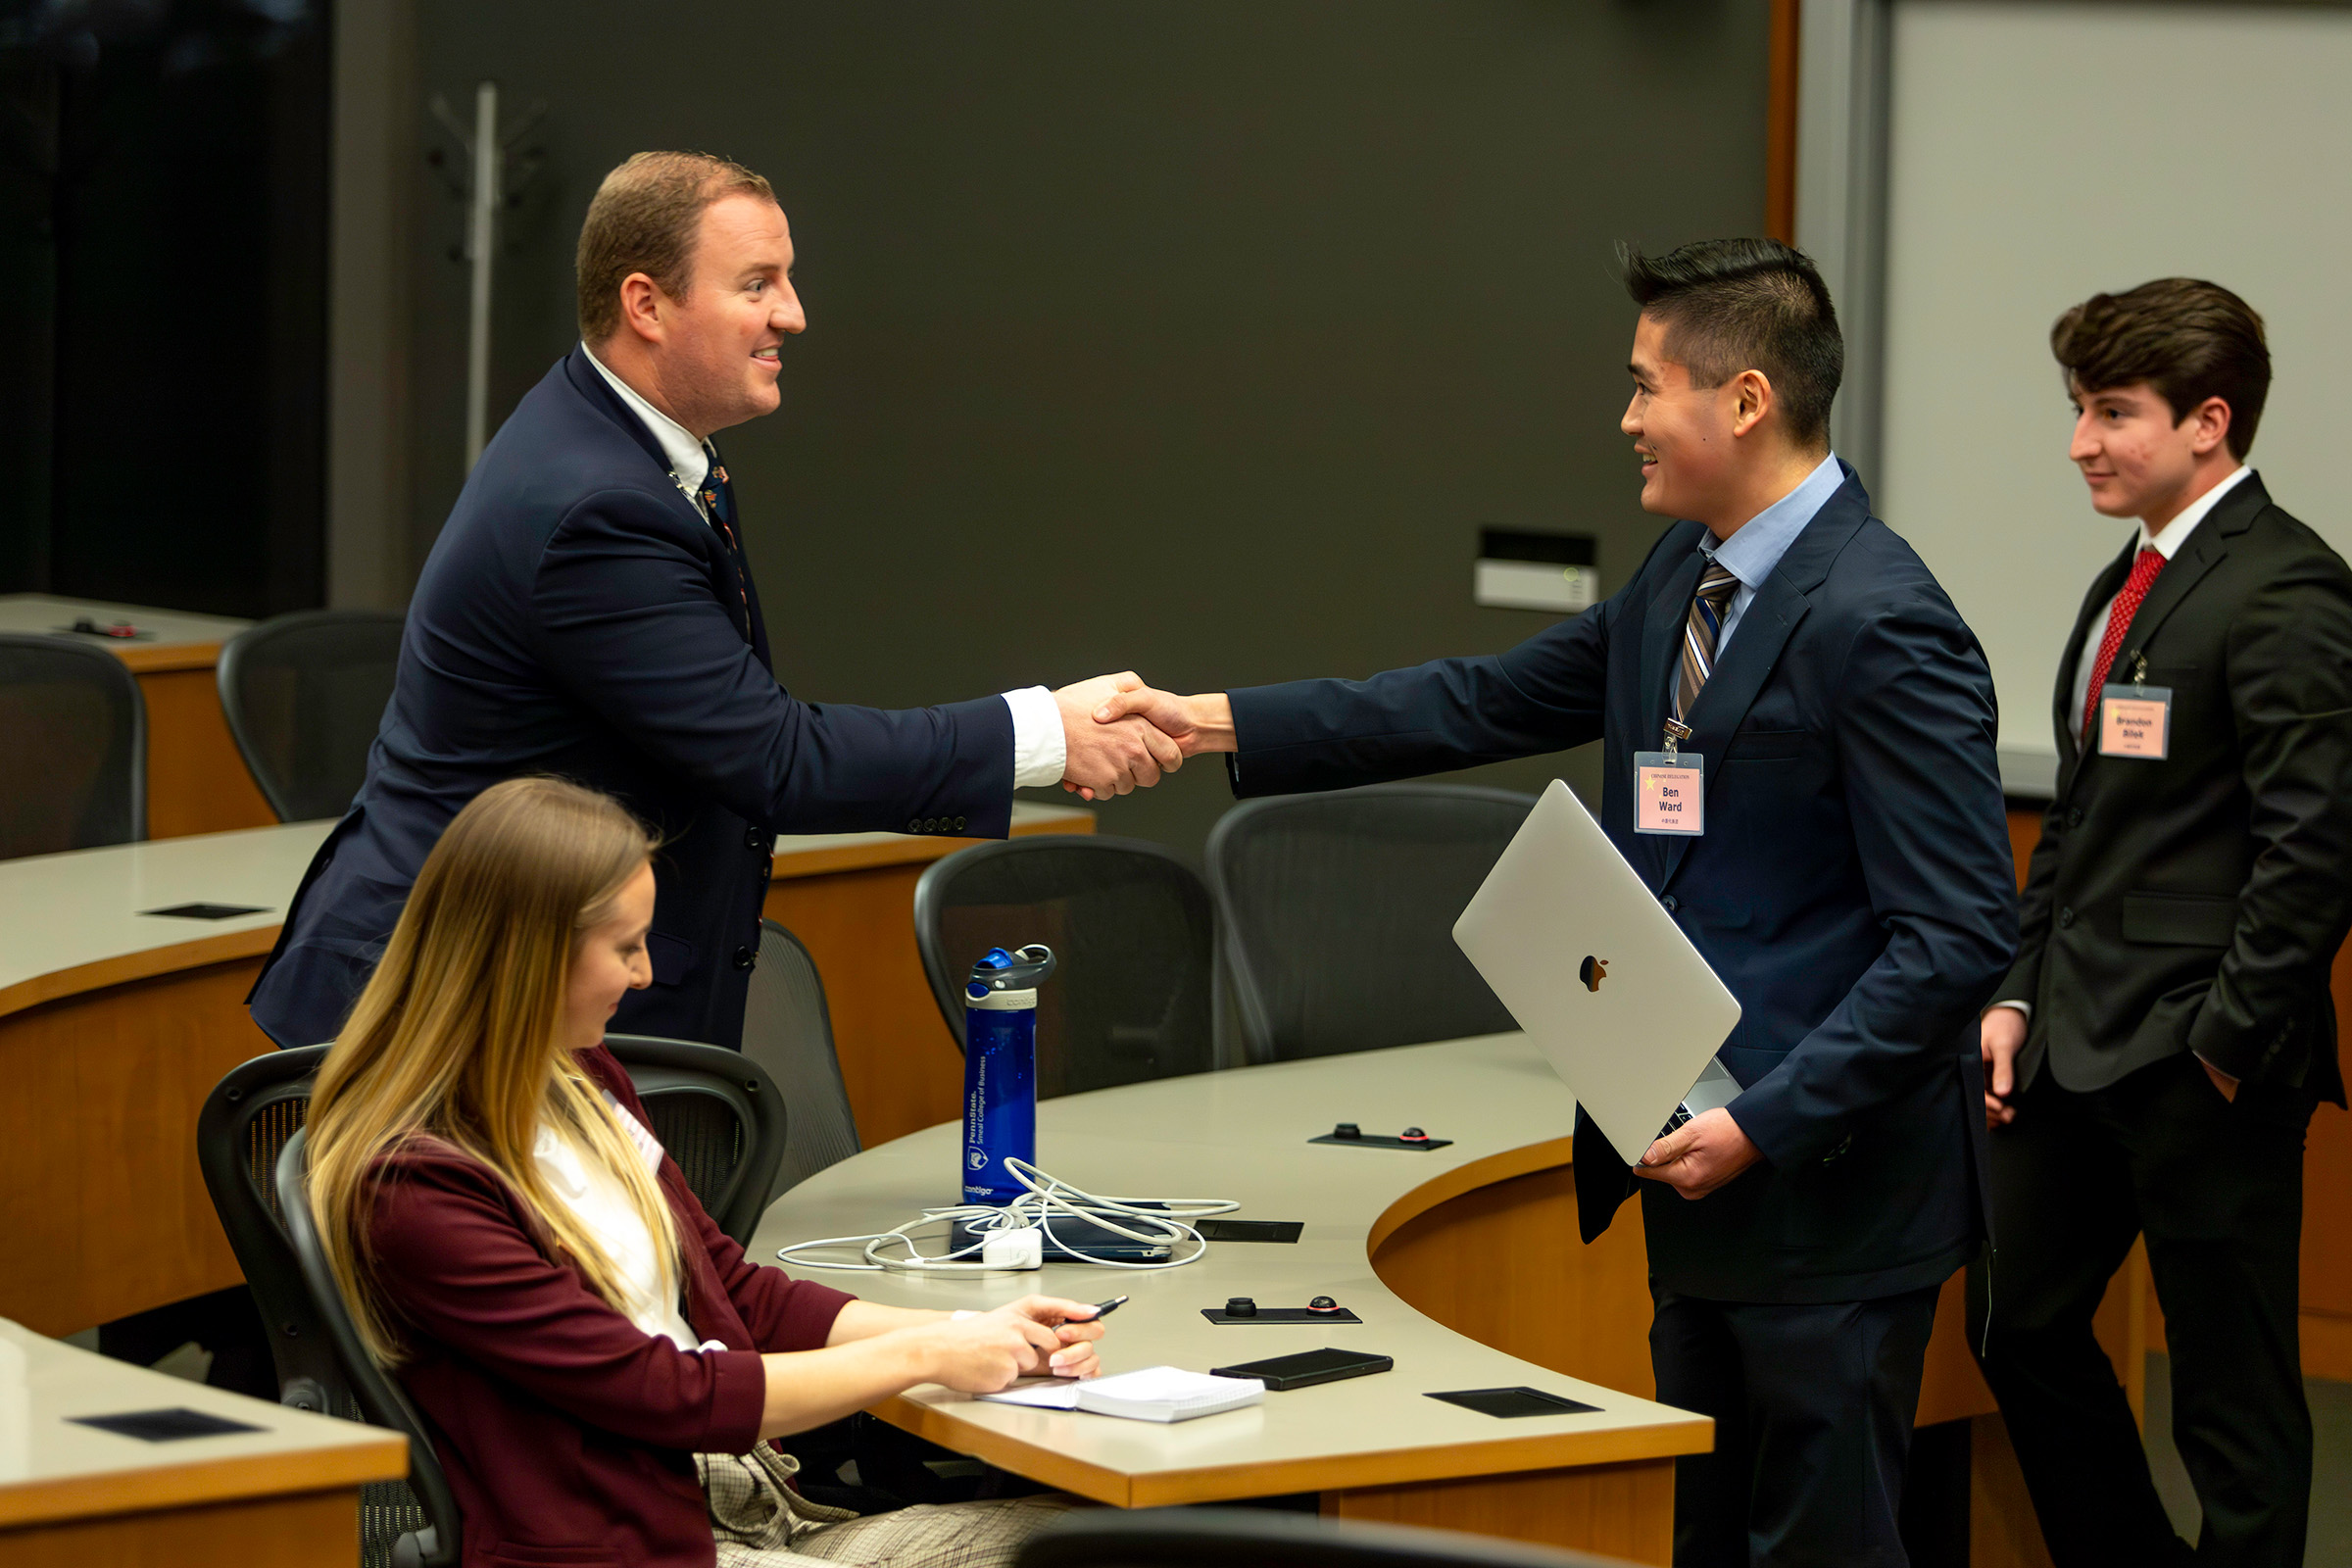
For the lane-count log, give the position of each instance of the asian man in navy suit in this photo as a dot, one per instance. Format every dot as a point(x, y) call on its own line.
point(589, 611)
point(1853, 887)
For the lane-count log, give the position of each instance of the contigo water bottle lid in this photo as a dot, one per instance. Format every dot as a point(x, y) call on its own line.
point(999, 972)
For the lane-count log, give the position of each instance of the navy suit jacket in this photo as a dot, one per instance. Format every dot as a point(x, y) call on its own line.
point(579, 617)
point(1854, 888)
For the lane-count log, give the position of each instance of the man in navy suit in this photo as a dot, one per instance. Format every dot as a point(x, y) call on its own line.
point(1852, 886)
point(589, 611)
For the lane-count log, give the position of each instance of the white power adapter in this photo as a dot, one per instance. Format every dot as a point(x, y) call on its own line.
point(1013, 1249)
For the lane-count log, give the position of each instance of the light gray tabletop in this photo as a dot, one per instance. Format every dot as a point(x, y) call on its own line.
point(1244, 1135)
point(71, 921)
point(39, 613)
point(53, 1467)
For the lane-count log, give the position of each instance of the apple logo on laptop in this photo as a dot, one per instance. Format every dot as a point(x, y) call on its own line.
point(1592, 971)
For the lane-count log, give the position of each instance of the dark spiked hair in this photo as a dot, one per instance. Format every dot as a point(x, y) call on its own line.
point(2188, 339)
point(1733, 305)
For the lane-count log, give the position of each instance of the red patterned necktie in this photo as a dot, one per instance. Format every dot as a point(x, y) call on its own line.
point(2144, 568)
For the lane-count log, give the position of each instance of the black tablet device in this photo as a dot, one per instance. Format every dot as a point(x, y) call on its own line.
point(1307, 1368)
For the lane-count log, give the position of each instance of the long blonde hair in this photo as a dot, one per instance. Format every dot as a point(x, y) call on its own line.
point(458, 1036)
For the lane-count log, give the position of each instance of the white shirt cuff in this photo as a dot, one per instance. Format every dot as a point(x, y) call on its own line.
point(2025, 1008)
point(1041, 753)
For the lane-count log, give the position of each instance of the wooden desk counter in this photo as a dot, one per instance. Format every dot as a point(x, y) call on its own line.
point(285, 1495)
point(115, 1025)
point(197, 781)
point(1375, 1447)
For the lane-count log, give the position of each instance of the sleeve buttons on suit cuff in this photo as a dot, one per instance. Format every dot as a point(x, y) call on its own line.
point(959, 824)
point(745, 958)
point(914, 824)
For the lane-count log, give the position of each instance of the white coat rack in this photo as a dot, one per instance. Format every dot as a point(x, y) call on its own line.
point(492, 181)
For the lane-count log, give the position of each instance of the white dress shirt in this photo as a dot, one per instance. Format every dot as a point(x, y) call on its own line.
point(602, 1204)
point(2166, 543)
point(1040, 750)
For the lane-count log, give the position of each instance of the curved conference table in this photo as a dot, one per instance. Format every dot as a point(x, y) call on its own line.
point(1460, 1261)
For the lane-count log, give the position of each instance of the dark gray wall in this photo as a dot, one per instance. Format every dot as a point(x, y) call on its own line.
point(1199, 339)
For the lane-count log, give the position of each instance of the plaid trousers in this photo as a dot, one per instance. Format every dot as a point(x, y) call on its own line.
point(759, 1522)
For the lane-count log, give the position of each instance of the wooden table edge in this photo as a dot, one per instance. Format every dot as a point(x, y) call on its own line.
point(222, 947)
point(1551, 1154)
point(171, 655)
point(904, 848)
point(371, 1454)
point(1501, 1456)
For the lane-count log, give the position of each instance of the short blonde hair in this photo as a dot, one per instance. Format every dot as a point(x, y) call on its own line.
point(645, 219)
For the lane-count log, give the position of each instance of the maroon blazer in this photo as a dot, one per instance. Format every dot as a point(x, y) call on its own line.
point(566, 1431)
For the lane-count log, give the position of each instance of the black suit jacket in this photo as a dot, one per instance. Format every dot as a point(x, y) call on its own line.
point(578, 617)
point(2196, 904)
point(1854, 888)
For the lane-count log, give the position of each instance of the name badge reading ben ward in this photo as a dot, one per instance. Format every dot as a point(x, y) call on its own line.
point(1670, 792)
point(2135, 721)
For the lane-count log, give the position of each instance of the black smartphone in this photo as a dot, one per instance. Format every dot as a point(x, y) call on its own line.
point(1250, 1229)
point(1307, 1368)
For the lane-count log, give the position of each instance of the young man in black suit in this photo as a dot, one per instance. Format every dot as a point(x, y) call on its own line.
point(1852, 887)
point(2157, 1050)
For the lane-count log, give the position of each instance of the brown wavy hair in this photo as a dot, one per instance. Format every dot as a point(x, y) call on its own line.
point(2188, 338)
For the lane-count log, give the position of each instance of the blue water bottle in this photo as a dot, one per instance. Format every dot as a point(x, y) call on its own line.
point(1000, 1070)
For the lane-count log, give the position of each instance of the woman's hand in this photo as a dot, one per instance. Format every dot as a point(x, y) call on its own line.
point(985, 1352)
point(1074, 1325)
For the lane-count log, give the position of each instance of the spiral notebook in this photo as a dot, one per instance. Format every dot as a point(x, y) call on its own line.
point(1154, 1394)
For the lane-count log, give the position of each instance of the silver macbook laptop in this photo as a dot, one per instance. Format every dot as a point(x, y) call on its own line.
point(1605, 983)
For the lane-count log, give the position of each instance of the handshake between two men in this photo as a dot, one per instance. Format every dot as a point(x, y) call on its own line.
point(1121, 735)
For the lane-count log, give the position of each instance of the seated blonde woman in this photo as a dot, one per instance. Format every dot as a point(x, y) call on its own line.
point(601, 1367)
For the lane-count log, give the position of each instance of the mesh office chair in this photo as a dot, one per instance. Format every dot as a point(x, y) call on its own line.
point(1338, 913)
point(720, 1115)
point(788, 1031)
point(75, 773)
point(248, 1121)
point(380, 1400)
point(1266, 1537)
point(1133, 934)
point(304, 695)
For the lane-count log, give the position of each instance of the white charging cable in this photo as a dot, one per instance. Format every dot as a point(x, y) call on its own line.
point(1015, 1236)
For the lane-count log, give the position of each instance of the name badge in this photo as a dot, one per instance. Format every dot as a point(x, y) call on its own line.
point(2135, 721)
point(1670, 793)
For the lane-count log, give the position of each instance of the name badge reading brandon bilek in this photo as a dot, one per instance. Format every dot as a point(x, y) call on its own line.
point(2135, 720)
point(1670, 789)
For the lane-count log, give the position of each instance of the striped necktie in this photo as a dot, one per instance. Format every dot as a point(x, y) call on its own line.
point(1704, 624)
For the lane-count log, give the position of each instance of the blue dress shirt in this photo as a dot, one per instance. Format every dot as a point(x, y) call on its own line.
point(1754, 551)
